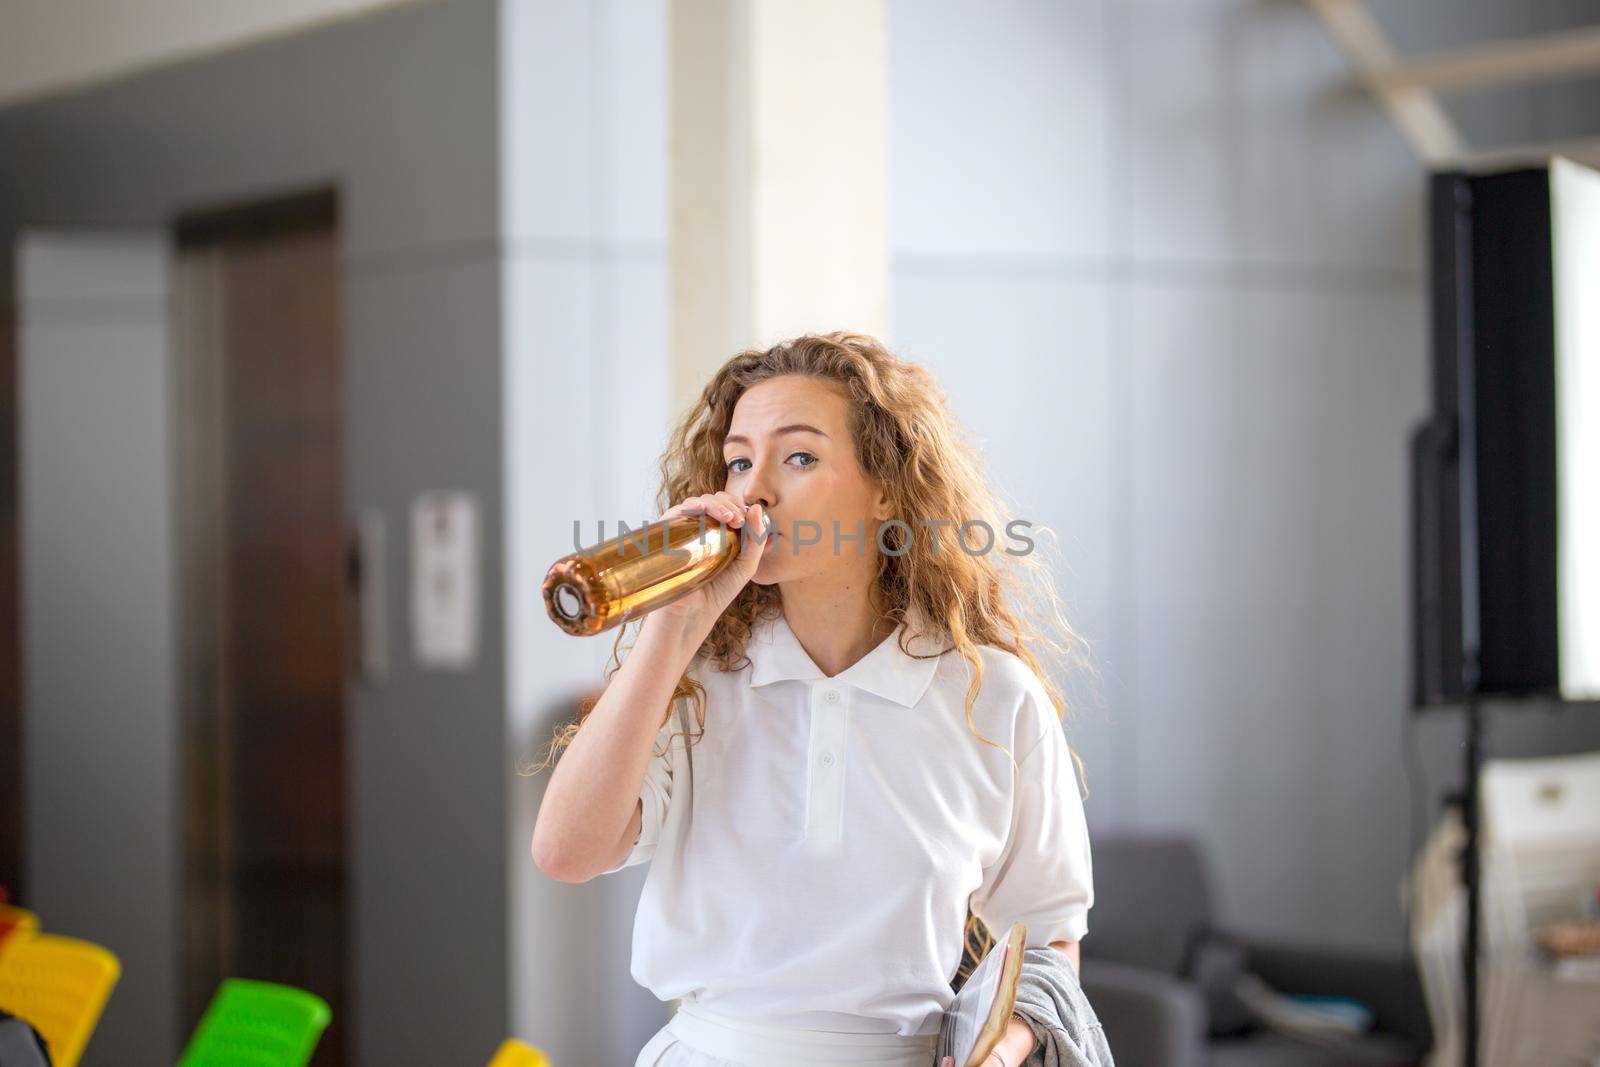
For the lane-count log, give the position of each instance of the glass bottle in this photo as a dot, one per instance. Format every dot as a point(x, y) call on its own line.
point(618, 580)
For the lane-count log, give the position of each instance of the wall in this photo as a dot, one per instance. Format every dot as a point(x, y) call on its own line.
point(399, 111)
point(48, 47)
point(1171, 268)
point(584, 283)
point(101, 768)
point(10, 620)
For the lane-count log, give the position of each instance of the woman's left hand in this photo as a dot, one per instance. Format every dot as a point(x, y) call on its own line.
point(1015, 1046)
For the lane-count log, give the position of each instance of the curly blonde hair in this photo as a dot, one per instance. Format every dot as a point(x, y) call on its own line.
point(908, 441)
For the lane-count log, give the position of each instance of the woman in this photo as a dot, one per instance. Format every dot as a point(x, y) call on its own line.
point(877, 763)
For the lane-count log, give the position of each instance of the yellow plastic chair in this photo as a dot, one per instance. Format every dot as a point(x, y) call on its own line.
point(59, 985)
point(513, 1053)
point(17, 921)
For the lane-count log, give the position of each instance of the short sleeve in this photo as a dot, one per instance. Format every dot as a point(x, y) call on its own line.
point(1043, 877)
point(656, 793)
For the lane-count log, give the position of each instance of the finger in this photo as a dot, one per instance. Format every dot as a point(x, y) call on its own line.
point(753, 538)
point(711, 505)
point(735, 510)
point(762, 522)
point(729, 511)
point(685, 508)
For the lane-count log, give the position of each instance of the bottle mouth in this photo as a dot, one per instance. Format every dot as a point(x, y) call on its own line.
point(567, 601)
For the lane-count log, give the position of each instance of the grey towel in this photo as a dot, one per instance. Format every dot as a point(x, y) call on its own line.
point(20, 1044)
point(1052, 1002)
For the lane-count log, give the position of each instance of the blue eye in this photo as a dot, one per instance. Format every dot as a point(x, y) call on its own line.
point(804, 466)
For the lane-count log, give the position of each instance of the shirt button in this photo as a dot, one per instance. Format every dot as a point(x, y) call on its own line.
point(831, 696)
point(827, 759)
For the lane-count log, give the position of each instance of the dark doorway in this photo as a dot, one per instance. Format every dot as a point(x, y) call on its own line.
point(257, 343)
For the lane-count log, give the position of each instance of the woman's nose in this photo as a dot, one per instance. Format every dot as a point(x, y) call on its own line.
point(755, 488)
point(757, 492)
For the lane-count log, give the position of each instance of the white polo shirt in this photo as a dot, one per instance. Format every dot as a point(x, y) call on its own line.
point(821, 877)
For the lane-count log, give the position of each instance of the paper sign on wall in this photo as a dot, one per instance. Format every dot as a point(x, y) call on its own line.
point(444, 580)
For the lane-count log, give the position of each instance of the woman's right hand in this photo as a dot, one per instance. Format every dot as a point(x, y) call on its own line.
point(700, 608)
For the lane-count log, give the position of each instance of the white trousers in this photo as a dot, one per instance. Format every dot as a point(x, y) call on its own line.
point(696, 1037)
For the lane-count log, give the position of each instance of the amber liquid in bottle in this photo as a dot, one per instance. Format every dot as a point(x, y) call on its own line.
point(619, 580)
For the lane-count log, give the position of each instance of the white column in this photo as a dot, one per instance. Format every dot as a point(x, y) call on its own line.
point(778, 173)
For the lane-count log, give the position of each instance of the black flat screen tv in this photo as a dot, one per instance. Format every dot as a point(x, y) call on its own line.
point(1506, 470)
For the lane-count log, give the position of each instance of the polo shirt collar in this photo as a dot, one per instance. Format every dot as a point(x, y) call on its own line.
point(776, 655)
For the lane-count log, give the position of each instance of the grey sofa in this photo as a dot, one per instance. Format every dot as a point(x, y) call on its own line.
point(1142, 970)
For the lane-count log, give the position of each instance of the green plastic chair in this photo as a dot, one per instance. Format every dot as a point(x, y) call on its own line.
point(257, 1024)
